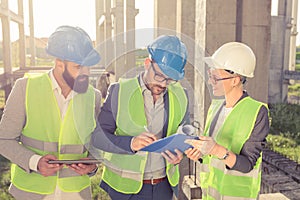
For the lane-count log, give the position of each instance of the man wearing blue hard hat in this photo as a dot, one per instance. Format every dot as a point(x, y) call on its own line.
point(141, 110)
point(50, 116)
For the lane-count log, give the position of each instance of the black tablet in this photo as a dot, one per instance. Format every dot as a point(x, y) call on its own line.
point(69, 162)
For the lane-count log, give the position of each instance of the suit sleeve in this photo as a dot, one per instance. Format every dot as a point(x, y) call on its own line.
point(104, 137)
point(11, 125)
point(252, 148)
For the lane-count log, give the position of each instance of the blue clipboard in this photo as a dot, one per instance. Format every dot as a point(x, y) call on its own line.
point(170, 143)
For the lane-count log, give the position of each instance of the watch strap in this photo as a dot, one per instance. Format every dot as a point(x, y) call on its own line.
point(225, 155)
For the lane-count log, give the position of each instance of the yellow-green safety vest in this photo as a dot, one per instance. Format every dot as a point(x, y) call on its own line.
point(218, 182)
point(125, 172)
point(46, 133)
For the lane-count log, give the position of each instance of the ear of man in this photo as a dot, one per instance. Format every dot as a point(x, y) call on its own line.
point(147, 63)
point(59, 64)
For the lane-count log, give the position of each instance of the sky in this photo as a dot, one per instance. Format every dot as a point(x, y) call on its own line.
point(49, 14)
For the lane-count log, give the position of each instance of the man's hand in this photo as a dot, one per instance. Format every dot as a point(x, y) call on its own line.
point(142, 140)
point(193, 154)
point(173, 158)
point(81, 168)
point(204, 144)
point(47, 169)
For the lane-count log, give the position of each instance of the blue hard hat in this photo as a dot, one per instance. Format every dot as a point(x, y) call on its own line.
point(72, 44)
point(170, 54)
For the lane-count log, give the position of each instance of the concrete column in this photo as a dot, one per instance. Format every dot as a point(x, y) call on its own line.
point(109, 48)
point(280, 52)
point(294, 33)
point(287, 45)
point(7, 60)
point(104, 31)
point(31, 36)
point(165, 16)
point(100, 19)
point(131, 12)
point(256, 32)
point(118, 25)
point(185, 29)
point(202, 97)
point(103, 23)
point(22, 48)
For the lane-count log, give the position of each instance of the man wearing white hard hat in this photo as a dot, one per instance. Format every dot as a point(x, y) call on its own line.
point(235, 131)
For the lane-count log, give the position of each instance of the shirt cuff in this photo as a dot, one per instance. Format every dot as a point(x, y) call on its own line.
point(131, 145)
point(33, 162)
point(92, 173)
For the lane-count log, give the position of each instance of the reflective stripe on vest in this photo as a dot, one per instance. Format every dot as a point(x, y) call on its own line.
point(53, 146)
point(214, 194)
point(219, 164)
point(217, 181)
point(125, 172)
point(46, 133)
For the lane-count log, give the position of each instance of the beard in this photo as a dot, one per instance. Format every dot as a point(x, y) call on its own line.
point(156, 89)
point(79, 84)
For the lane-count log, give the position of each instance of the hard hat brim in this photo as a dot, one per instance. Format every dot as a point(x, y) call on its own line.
point(212, 63)
point(215, 65)
point(91, 59)
point(170, 72)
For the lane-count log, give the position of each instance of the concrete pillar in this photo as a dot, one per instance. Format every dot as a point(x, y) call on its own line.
point(165, 16)
point(256, 32)
point(185, 29)
point(100, 19)
point(22, 53)
point(108, 26)
point(118, 28)
point(294, 33)
point(7, 60)
point(31, 35)
point(131, 12)
point(103, 22)
point(104, 32)
point(286, 8)
point(280, 52)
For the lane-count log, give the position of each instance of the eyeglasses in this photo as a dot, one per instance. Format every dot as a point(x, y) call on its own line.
point(161, 78)
point(215, 80)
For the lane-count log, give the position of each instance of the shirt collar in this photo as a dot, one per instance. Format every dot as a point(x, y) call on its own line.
point(142, 83)
point(55, 85)
point(53, 81)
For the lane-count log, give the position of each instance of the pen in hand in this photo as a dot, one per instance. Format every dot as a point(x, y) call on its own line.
point(142, 140)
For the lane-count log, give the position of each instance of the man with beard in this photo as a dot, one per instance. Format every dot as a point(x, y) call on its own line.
point(139, 111)
point(51, 116)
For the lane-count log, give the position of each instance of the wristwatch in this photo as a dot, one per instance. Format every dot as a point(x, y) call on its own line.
point(225, 155)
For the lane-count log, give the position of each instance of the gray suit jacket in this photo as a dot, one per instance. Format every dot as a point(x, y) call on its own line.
point(12, 122)
point(11, 125)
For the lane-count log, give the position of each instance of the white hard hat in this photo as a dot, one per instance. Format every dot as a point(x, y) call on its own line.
point(233, 56)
